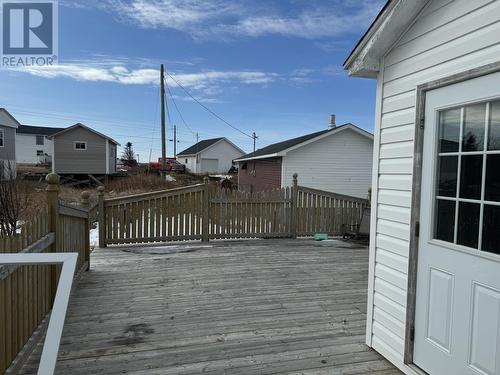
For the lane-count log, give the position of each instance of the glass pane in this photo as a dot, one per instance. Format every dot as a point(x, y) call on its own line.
point(447, 176)
point(470, 176)
point(492, 188)
point(445, 220)
point(468, 224)
point(491, 238)
point(473, 136)
point(449, 130)
point(494, 133)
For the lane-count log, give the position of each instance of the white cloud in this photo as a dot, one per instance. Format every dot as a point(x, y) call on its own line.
point(229, 18)
point(207, 82)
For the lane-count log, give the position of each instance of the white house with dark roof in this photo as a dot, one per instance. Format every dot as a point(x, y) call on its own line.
point(8, 126)
point(214, 155)
point(337, 159)
point(434, 265)
point(33, 145)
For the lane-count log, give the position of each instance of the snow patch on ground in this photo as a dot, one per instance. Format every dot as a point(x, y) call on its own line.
point(94, 236)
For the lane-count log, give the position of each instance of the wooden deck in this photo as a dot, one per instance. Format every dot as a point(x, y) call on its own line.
point(230, 307)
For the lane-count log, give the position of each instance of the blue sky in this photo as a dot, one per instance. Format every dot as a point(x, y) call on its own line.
point(270, 67)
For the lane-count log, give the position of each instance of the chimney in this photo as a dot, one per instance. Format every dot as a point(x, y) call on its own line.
point(332, 124)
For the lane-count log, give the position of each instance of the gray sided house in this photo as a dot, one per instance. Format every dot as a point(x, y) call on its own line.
point(82, 150)
point(8, 126)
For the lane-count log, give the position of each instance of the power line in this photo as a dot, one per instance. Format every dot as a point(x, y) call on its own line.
point(206, 108)
point(154, 129)
point(178, 111)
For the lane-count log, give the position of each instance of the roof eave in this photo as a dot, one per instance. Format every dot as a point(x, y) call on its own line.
point(268, 156)
point(394, 19)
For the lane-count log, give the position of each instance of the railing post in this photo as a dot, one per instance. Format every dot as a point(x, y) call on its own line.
point(205, 211)
point(102, 217)
point(52, 196)
point(293, 207)
point(85, 203)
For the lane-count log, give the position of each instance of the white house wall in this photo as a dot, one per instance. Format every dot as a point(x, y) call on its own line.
point(26, 148)
point(447, 38)
point(340, 163)
point(225, 152)
point(189, 162)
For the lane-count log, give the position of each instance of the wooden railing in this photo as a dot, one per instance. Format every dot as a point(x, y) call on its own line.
point(27, 292)
point(203, 212)
point(170, 215)
point(325, 212)
point(236, 214)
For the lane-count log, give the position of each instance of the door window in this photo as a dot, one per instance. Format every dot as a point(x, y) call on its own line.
point(467, 208)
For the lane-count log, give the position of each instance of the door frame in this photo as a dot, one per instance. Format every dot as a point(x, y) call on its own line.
point(416, 194)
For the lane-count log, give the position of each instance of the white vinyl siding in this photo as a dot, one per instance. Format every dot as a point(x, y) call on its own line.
point(223, 152)
point(449, 36)
point(340, 163)
point(27, 149)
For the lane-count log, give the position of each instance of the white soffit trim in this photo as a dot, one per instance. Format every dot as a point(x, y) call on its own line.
point(275, 155)
point(58, 315)
point(383, 34)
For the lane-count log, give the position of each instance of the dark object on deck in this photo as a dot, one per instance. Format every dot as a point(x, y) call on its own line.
point(363, 229)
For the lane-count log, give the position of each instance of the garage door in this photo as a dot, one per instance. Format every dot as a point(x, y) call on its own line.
point(209, 165)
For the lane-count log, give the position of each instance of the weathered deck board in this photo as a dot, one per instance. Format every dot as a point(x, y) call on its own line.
point(235, 307)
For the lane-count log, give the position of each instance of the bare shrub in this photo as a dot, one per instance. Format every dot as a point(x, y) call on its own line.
point(15, 201)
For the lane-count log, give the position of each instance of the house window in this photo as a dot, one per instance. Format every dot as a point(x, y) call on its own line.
point(40, 140)
point(186, 161)
point(82, 146)
point(39, 152)
point(467, 207)
point(1, 137)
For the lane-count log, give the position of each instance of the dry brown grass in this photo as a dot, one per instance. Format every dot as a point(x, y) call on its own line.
point(133, 184)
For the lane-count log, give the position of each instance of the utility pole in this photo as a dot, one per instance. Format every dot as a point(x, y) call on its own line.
point(163, 144)
point(175, 141)
point(254, 136)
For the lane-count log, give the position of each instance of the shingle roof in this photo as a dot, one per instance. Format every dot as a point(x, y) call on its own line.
point(282, 146)
point(38, 130)
point(200, 146)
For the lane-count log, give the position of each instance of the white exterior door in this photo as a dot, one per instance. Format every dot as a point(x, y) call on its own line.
point(457, 320)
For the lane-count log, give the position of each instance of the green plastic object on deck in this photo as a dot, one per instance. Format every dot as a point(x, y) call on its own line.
point(320, 236)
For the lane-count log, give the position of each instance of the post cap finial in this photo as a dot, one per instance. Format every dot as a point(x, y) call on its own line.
point(100, 189)
point(52, 179)
point(85, 195)
point(295, 175)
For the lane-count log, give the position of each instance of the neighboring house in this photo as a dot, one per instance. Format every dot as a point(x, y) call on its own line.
point(33, 145)
point(210, 156)
point(8, 126)
point(434, 274)
point(82, 150)
point(338, 159)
